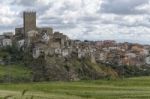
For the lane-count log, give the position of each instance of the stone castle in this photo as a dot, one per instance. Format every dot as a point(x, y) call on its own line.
point(40, 39)
point(29, 24)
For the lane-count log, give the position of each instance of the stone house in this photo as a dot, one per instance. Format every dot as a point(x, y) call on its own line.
point(144, 52)
point(58, 51)
point(137, 48)
point(113, 48)
point(20, 43)
point(130, 55)
point(39, 49)
point(36, 52)
point(147, 60)
point(102, 56)
point(6, 42)
point(45, 38)
point(65, 52)
point(81, 53)
point(8, 34)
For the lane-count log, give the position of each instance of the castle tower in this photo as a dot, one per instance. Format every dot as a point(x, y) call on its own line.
point(29, 19)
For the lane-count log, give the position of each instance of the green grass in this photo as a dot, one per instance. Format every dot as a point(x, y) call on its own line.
point(131, 88)
point(14, 73)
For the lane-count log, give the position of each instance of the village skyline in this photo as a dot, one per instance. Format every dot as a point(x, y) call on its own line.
point(46, 41)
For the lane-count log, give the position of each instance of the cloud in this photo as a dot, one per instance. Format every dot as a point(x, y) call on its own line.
point(24, 2)
point(122, 6)
point(121, 20)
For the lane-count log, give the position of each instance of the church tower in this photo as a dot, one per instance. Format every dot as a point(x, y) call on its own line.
point(29, 19)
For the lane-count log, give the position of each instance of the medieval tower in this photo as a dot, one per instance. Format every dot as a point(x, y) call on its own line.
point(29, 19)
point(29, 24)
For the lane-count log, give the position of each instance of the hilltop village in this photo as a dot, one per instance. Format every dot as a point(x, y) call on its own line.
point(42, 40)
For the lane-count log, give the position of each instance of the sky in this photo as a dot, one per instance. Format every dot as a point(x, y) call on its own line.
point(120, 20)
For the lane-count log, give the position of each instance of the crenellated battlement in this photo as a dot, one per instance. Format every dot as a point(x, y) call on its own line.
point(29, 12)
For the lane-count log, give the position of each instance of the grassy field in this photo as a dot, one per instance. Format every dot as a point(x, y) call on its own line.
point(14, 73)
point(131, 88)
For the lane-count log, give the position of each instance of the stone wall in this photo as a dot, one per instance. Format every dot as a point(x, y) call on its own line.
point(48, 30)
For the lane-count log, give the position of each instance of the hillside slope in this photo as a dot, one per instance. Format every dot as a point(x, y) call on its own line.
point(59, 68)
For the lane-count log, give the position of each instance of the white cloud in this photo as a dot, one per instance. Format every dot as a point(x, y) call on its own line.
point(122, 20)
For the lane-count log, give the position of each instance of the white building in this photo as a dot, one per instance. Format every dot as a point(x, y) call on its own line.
point(147, 60)
point(45, 38)
point(102, 56)
point(131, 55)
point(7, 42)
point(21, 43)
point(57, 51)
point(81, 53)
point(113, 48)
point(144, 52)
point(36, 52)
point(65, 52)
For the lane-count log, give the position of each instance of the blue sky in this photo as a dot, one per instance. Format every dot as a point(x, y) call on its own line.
point(121, 20)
